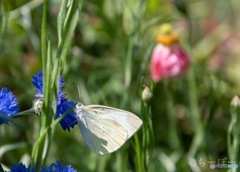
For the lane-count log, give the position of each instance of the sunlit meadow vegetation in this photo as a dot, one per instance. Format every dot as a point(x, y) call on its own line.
point(105, 47)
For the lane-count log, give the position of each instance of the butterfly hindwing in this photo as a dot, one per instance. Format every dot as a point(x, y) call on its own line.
point(128, 120)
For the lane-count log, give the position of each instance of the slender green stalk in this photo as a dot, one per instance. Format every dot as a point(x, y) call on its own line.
point(123, 161)
point(69, 24)
point(67, 21)
point(128, 63)
point(197, 123)
point(193, 101)
point(40, 147)
point(147, 142)
point(60, 20)
point(3, 28)
point(41, 141)
point(51, 103)
point(135, 18)
point(24, 113)
point(147, 137)
point(36, 158)
point(233, 135)
point(138, 151)
point(43, 34)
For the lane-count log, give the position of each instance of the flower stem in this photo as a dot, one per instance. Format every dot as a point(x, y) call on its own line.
point(197, 123)
point(138, 153)
point(24, 113)
point(38, 148)
point(147, 135)
point(37, 152)
point(233, 136)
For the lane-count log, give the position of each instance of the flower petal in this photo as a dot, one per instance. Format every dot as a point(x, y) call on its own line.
point(8, 105)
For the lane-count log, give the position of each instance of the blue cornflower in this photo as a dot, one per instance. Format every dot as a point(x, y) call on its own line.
point(63, 105)
point(70, 119)
point(38, 83)
point(21, 168)
point(8, 105)
point(55, 167)
point(58, 167)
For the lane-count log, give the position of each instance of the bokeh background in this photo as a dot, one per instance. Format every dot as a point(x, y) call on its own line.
point(108, 33)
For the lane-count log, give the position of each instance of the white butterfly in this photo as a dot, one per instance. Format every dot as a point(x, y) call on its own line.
point(106, 129)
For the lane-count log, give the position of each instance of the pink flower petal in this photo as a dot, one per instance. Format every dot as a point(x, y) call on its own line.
point(168, 62)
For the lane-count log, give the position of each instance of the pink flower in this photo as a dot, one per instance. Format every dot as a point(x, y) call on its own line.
point(168, 61)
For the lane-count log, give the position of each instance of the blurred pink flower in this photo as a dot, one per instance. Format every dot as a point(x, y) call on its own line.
point(168, 61)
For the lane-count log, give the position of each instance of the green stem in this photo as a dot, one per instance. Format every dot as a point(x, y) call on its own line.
point(197, 123)
point(138, 153)
point(3, 29)
point(40, 142)
point(37, 153)
point(193, 100)
point(234, 136)
point(24, 113)
point(147, 135)
point(147, 138)
point(128, 63)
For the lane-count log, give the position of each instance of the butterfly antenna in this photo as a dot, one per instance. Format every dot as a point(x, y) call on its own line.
point(78, 90)
point(79, 95)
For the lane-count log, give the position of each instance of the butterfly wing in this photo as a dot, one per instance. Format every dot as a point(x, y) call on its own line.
point(100, 131)
point(128, 120)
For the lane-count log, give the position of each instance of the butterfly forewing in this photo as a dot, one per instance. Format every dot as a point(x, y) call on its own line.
point(128, 120)
point(101, 133)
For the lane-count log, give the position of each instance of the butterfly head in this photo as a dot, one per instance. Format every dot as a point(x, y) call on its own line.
point(79, 108)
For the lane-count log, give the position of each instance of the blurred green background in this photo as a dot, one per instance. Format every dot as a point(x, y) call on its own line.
point(108, 33)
